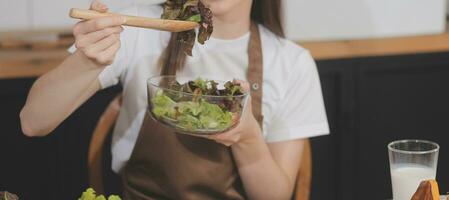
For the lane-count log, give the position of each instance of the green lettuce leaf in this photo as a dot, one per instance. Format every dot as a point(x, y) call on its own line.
point(214, 117)
point(163, 106)
point(114, 197)
point(194, 18)
point(191, 115)
point(189, 107)
point(190, 10)
point(89, 194)
point(101, 197)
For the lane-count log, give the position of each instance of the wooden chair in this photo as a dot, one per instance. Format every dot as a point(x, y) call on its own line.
point(95, 154)
point(304, 179)
point(106, 123)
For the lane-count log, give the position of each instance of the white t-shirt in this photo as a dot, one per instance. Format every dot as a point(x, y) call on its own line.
point(292, 102)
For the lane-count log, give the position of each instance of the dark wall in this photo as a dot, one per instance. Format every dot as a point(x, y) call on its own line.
point(52, 167)
point(369, 101)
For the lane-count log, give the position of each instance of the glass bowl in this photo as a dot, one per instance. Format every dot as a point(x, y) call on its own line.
point(192, 112)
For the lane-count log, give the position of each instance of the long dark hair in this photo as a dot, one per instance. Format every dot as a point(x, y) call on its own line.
point(264, 12)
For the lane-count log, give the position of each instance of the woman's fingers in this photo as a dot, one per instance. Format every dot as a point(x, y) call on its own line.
point(243, 84)
point(246, 88)
point(101, 45)
point(103, 51)
point(90, 38)
point(98, 6)
point(107, 56)
point(249, 107)
point(97, 24)
point(99, 39)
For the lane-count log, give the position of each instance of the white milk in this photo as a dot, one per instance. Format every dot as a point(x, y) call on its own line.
point(406, 179)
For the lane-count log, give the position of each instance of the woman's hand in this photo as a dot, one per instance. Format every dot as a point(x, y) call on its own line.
point(246, 131)
point(99, 39)
point(55, 95)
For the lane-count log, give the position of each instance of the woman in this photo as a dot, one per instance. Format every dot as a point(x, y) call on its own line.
point(258, 159)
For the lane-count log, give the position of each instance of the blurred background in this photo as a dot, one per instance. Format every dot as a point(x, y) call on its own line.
point(384, 68)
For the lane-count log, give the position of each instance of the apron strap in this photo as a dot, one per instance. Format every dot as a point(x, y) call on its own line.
point(255, 71)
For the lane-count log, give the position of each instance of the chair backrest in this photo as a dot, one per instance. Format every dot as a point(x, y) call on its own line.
point(95, 154)
point(106, 123)
point(304, 179)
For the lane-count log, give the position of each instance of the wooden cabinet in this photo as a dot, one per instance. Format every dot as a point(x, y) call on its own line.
point(369, 102)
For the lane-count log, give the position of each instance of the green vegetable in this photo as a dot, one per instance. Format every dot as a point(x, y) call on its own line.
point(114, 197)
point(89, 194)
point(193, 108)
point(163, 106)
point(194, 111)
point(191, 115)
point(195, 18)
point(101, 197)
point(190, 10)
point(5, 195)
point(214, 117)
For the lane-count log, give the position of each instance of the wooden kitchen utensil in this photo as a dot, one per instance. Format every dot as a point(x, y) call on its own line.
point(143, 22)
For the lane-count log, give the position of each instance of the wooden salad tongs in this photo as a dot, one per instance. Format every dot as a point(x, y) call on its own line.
point(143, 22)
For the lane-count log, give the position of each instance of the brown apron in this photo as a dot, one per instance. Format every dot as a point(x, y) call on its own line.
point(168, 165)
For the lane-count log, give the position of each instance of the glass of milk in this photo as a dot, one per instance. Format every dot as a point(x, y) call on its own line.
point(411, 161)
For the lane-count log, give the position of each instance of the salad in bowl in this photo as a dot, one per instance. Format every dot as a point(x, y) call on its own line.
point(196, 106)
